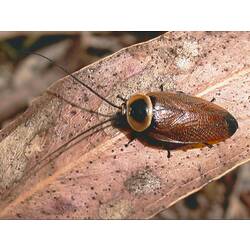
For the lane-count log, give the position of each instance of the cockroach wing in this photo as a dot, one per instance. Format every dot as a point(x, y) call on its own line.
point(180, 118)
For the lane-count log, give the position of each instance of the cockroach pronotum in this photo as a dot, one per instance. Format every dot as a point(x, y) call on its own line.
point(168, 119)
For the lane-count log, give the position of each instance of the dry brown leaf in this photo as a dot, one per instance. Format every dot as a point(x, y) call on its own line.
point(99, 177)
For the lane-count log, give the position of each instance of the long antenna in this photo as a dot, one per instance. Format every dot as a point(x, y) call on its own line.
point(74, 105)
point(74, 138)
point(75, 78)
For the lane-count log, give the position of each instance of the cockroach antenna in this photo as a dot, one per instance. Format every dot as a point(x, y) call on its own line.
point(75, 78)
point(57, 152)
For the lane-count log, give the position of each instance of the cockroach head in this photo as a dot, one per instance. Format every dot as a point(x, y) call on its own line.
point(120, 119)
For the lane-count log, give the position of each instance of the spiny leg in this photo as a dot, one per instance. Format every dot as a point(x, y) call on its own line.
point(121, 98)
point(132, 138)
point(213, 99)
point(180, 92)
point(177, 91)
point(166, 148)
point(208, 145)
point(169, 155)
point(129, 142)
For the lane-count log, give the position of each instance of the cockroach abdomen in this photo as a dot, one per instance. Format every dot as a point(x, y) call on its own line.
point(231, 123)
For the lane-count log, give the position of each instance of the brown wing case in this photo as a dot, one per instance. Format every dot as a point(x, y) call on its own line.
point(180, 118)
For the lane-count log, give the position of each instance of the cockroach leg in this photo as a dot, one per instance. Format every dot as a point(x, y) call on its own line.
point(180, 92)
point(213, 99)
point(208, 145)
point(133, 136)
point(129, 142)
point(161, 87)
point(169, 155)
point(121, 98)
point(167, 147)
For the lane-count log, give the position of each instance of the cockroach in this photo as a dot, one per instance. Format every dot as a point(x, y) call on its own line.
point(169, 119)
